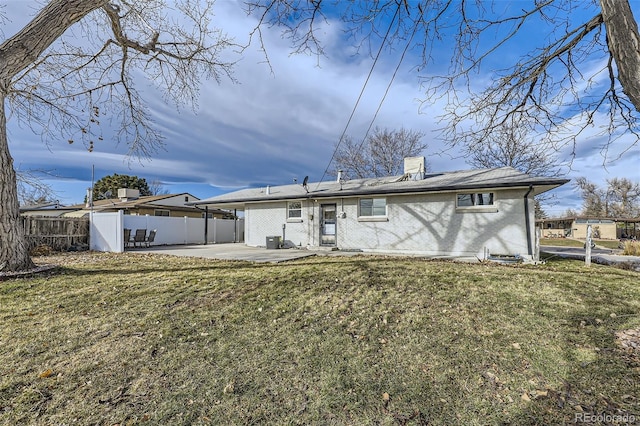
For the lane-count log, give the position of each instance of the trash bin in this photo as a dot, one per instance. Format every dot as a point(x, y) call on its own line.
point(273, 242)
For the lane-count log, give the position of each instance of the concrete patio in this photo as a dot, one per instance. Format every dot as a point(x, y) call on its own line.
point(240, 251)
point(230, 251)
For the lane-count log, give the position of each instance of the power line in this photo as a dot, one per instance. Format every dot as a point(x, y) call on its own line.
point(415, 28)
point(353, 111)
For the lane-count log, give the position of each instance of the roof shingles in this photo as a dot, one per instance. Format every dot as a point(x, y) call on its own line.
point(503, 177)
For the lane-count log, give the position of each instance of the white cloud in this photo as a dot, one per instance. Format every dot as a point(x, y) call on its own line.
point(271, 127)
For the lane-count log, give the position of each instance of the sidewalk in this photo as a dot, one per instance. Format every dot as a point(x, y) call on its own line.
point(601, 256)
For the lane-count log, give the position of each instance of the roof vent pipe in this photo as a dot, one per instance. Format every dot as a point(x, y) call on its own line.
point(339, 176)
point(268, 190)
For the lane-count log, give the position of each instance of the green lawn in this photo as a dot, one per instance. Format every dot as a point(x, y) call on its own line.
point(149, 339)
point(561, 242)
point(610, 244)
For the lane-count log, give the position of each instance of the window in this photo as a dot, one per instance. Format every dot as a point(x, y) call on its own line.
point(473, 200)
point(209, 215)
point(159, 212)
point(593, 221)
point(373, 207)
point(294, 210)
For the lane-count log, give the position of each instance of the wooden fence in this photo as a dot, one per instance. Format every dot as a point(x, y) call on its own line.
point(59, 233)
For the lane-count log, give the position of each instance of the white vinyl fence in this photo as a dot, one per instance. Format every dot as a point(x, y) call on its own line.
point(107, 230)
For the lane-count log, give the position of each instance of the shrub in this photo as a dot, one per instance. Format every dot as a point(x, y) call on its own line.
point(631, 248)
point(41, 250)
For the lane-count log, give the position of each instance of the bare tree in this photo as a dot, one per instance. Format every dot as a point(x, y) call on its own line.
point(623, 198)
point(514, 145)
point(578, 72)
point(157, 188)
point(32, 189)
point(593, 197)
point(352, 160)
point(74, 65)
point(380, 154)
point(570, 213)
point(620, 198)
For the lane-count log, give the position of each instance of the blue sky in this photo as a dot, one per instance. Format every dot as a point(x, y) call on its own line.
point(275, 125)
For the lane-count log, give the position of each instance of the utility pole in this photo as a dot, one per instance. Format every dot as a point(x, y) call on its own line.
point(587, 255)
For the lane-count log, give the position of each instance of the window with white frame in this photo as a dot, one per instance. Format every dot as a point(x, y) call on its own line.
point(294, 210)
point(372, 207)
point(161, 212)
point(477, 199)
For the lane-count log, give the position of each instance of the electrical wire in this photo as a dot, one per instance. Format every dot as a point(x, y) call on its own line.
point(386, 92)
point(364, 86)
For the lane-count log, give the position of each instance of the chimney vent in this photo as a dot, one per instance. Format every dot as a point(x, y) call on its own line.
point(126, 194)
point(414, 168)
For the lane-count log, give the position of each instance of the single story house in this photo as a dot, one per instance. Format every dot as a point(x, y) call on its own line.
point(54, 209)
point(604, 228)
point(168, 205)
point(458, 214)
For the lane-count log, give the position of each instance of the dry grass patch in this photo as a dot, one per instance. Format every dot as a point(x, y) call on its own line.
point(631, 248)
point(133, 338)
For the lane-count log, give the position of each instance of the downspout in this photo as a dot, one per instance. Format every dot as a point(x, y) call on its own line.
point(206, 224)
point(284, 227)
point(527, 220)
point(235, 225)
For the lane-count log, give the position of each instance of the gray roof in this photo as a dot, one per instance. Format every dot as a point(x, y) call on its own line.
point(503, 177)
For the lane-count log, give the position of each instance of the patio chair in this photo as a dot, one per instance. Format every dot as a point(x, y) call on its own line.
point(139, 237)
point(127, 238)
point(150, 238)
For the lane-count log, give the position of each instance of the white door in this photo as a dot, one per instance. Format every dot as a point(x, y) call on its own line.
point(328, 224)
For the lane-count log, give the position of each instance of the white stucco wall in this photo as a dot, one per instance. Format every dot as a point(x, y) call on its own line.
point(266, 219)
point(426, 224)
point(177, 200)
point(107, 230)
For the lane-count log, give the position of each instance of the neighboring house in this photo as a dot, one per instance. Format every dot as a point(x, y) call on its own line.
point(54, 209)
point(458, 214)
point(170, 205)
point(601, 228)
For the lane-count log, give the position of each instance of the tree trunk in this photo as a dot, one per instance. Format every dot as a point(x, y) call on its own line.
point(14, 253)
point(16, 54)
point(624, 44)
point(21, 50)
